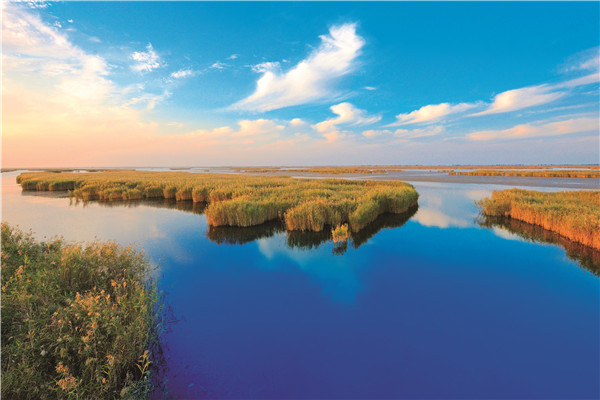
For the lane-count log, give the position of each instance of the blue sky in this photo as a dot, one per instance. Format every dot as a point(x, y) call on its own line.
point(130, 83)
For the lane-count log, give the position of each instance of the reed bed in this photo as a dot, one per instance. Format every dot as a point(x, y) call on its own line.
point(78, 321)
point(235, 200)
point(574, 215)
point(544, 174)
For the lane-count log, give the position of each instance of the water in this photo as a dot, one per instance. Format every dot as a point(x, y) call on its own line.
point(435, 306)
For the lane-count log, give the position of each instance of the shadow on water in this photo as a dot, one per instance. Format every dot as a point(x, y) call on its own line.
point(585, 256)
point(233, 235)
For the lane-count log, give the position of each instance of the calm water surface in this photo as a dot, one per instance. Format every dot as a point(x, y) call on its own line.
point(426, 305)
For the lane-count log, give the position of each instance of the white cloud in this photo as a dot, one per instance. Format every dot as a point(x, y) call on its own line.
point(265, 66)
point(146, 60)
point(429, 113)
point(219, 65)
point(182, 73)
point(347, 114)
point(233, 56)
point(149, 99)
point(540, 129)
point(588, 60)
point(517, 99)
point(371, 88)
point(584, 80)
point(297, 122)
point(312, 78)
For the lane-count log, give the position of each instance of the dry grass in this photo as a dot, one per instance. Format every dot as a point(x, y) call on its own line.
point(574, 215)
point(236, 200)
point(340, 233)
point(545, 174)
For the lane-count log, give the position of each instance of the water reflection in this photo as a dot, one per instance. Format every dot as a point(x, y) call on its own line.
point(232, 235)
point(585, 256)
point(278, 315)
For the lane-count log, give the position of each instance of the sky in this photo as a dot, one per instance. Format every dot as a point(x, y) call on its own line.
point(256, 84)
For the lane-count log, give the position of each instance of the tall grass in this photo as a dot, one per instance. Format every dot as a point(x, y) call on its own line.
point(78, 321)
point(574, 215)
point(236, 200)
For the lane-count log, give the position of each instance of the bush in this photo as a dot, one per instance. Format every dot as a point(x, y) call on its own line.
point(78, 321)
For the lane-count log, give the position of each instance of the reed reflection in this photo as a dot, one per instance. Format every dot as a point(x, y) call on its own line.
point(587, 257)
point(232, 235)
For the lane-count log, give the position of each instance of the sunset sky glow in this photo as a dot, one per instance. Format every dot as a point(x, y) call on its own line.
point(207, 84)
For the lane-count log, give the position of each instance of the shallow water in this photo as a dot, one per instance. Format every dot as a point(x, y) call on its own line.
point(429, 304)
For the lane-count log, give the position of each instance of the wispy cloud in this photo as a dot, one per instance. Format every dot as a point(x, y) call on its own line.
point(182, 73)
point(347, 114)
point(588, 60)
point(430, 113)
point(312, 78)
point(265, 66)
point(146, 61)
point(518, 99)
point(219, 65)
point(540, 129)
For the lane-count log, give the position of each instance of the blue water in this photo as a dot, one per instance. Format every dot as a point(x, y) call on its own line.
point(433, 307)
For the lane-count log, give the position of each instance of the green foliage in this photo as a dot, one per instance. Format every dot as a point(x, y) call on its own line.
point(242, 200)
point(77, 321)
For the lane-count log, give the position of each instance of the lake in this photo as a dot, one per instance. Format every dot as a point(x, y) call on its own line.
point(430, 304)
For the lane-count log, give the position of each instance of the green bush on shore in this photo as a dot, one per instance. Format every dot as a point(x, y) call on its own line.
point(78, 321)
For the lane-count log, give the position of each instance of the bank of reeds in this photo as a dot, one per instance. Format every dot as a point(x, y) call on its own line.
point(236, 200)
point(572, 214)
point(542, 174)
point(78, 321)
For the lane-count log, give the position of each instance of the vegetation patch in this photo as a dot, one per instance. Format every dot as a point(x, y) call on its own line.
point(235, 200)
point(572, 214)
point(78, 321)
point(543, 174)
point(340, 233)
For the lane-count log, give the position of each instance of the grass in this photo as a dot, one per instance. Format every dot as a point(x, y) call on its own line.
point(78, 321)
point(235, 200)
point(574, 214)
point(340, 233)
point(545, 173)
